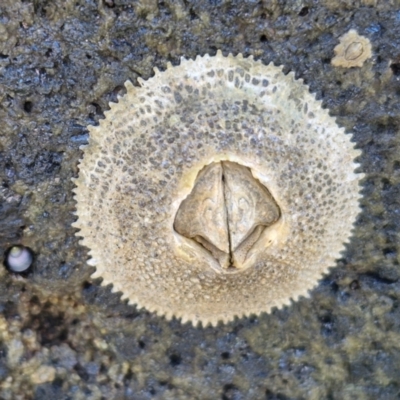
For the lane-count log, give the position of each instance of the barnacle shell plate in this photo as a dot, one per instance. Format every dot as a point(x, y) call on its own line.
point(144, 157)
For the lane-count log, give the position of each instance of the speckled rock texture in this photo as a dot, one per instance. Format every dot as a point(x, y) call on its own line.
point(62, 335)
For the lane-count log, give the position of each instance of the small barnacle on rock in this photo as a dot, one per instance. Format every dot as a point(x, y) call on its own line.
point(218, 188)
point(352, 51)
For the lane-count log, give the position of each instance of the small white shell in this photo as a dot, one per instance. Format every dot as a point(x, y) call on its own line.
point(19, 259)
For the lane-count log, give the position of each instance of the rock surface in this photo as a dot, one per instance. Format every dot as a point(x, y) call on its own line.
point(62, 335)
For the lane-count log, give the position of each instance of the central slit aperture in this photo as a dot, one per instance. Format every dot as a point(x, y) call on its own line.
point(226, 212)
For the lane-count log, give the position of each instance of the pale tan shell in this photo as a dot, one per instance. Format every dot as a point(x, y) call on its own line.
point(142, 161)
point(352, 51)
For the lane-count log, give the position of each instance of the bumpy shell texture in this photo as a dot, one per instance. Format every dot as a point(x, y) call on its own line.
point(144, 157)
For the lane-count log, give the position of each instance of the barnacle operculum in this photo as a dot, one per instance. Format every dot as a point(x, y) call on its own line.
point(226, 213)
point(218, 188)
point(352, 51)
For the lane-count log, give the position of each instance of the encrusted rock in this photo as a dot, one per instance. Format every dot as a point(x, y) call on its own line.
point(45, 373)
point(292, 207)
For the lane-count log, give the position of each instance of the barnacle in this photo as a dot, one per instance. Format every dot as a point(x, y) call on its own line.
point(352, 51)
point(217, 188)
